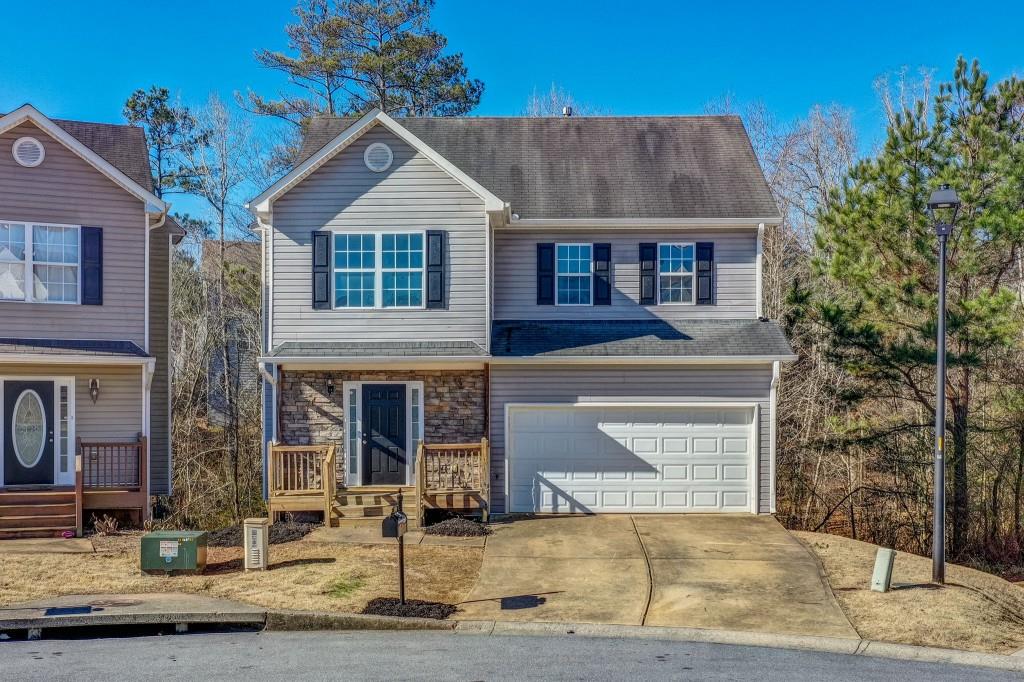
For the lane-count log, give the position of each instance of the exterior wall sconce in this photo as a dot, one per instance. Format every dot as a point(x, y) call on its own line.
point(94, 390)
point(330, 386)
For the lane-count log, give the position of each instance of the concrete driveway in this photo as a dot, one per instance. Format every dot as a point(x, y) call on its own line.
point(735, 572)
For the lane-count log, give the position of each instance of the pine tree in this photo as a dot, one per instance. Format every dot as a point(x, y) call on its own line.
point(877, 248)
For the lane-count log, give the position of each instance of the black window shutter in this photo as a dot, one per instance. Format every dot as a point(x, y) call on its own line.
point(321, 270)
point(705, 273)
point(435, 269)
point(602, 274)
point(92, 266)
point(545, 274)
point(648, 273)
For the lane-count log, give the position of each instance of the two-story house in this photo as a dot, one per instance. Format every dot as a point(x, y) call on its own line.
point(84, 283)
point(576, 301)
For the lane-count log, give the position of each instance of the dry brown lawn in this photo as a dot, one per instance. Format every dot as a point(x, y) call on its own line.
point(975, 611)
point(304, 575)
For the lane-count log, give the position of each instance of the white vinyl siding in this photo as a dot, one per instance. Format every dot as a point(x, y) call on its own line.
point(413, 195)
point(735, 275)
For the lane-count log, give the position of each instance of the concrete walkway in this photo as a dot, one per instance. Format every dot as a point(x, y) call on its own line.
point(47, 546)
point(369, 534)
point(698, 571)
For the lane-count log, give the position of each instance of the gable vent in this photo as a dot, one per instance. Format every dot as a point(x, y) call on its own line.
point(378, 157)
point(28, 151)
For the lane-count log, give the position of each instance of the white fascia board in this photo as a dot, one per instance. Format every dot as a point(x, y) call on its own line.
point(27, 112)
point(644, 360)
point(262, 203)
point(72, 359)
point(598, 223)
point(389, 362)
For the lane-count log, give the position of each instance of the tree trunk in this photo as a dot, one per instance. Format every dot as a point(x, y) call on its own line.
point(959, 511)
point(1017, 485)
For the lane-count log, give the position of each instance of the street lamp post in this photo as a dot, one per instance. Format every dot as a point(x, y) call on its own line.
point(942, 200)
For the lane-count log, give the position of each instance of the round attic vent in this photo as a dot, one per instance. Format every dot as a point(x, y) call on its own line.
point(28, 151)
point(378, 157)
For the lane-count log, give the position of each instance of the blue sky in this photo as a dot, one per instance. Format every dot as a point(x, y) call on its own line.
point(80, 60)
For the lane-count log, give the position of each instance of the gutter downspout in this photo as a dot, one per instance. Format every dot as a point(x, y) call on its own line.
point(773, 399)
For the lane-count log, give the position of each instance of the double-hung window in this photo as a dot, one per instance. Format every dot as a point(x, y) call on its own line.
point(574, 274)
point(39, 263)
point(675, 273)
point(378, 270)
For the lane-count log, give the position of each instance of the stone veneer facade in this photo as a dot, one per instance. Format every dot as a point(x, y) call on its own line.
point(454, 404)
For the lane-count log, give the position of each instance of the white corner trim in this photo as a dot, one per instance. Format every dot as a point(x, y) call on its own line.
point(759, 288)
point(773, 401)
point(264, 202)
point(27, 112)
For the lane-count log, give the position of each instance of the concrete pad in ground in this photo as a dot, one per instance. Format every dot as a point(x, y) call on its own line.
point(577, 590)
point(128, 609)
point(368, 535)
point(453, 541)
point(757, 596)
point(705, 536)
point(46, 546)
point(609, 536)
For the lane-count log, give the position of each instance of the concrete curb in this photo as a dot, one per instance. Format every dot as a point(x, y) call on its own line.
point(108, 620)
point(293, 620)
point(849, 647)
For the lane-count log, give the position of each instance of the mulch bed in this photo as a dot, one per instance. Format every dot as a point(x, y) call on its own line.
point(280, 533)
point(412, 608)
point(459, 528)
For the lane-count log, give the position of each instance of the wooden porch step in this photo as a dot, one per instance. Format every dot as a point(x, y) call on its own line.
point(38, 520)
point(376, 512)
point(55, 508)
point(12, 497)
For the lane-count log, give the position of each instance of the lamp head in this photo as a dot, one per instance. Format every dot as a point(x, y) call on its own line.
point(944, 201)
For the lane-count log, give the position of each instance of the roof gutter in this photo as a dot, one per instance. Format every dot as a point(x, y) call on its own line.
point(591, 223)
point(642, 360)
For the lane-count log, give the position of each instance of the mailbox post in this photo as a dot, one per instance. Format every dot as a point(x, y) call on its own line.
point(394, 526)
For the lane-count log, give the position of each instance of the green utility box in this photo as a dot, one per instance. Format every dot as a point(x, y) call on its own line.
point(174, 551)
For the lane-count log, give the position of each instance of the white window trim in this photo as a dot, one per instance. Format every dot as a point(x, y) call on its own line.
point(29, 263)
point(354, 475)
point(590, 275)
point(692, 274)
point(379, 270)
point(68, 477)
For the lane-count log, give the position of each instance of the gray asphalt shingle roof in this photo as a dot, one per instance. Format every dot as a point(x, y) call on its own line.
point(398, 349)
point(643, 338)
point(597, 167)
point(72, 346)
point(122, 146)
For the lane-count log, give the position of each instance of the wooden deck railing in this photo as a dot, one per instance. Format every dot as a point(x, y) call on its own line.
point(459, 469)
point(301, 478)
point(111, 475)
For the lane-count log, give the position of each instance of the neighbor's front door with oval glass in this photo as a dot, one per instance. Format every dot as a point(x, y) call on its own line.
point(28, 432)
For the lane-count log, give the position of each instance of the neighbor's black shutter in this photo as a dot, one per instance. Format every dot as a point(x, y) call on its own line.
point(321, 270)
point(435, 269)
point(602, 274)
point(545, 274)
point(705, 273)
point(92, 266)
point(648, 273)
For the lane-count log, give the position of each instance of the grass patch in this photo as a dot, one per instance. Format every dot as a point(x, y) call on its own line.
point(344, 587)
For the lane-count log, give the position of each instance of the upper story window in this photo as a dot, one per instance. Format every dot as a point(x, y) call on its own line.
point(378, 270)
point(574, 274)
point(675, 273)
point(39, 263)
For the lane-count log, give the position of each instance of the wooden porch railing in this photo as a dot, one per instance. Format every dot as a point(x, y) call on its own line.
point(111, 475)
point(458, 469)
point(301, 478)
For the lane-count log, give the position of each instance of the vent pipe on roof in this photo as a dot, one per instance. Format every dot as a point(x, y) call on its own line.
point(567, 111)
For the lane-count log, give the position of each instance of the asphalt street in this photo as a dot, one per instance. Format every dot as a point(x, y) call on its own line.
point(441, 656)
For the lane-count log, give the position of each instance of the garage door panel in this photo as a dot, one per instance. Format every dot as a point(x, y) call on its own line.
point(630, 458)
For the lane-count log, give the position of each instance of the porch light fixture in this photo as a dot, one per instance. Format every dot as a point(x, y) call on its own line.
point(330, 386)
point(942, 206)
point(94, 390)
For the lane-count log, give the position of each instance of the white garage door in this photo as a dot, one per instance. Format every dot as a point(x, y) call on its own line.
point(570, 458)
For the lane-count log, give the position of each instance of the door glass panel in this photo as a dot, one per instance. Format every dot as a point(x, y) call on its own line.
point(63, 429)
point(29, 428)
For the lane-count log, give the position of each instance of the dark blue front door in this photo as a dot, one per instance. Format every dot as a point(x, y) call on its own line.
point(383, 434)
point(28, 432)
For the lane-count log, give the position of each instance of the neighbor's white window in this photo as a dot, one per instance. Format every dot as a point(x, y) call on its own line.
point(675, 273)
point(574, 271)
point(378, 270)
point(50, 253)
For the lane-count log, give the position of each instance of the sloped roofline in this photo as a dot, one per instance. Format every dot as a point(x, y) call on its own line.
point(261, 205)
point(28, 113)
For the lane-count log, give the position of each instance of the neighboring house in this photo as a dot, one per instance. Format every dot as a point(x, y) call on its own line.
point(584, 293)
point(84, 285)
point(243, 260)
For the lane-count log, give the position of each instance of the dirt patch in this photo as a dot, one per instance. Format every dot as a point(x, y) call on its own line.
point(412, 608)
point(458, 528)
point(975, 611)
point(280, 533)
point(304, 575)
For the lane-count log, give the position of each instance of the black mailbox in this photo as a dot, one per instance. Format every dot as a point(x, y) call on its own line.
point(394, 526)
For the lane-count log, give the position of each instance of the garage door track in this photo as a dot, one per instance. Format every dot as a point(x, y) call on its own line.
point(734, 572)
